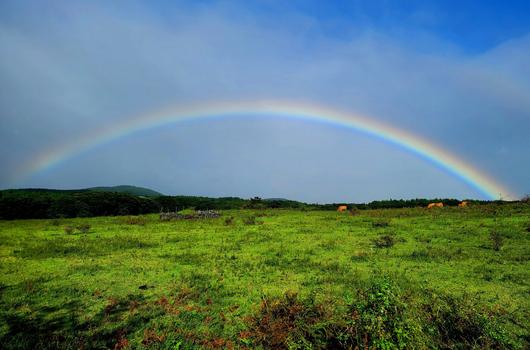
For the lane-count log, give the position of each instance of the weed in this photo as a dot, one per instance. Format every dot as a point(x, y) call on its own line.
point(384, 241)
point(377, 319)
point(460, 323)
point(381, 223)
point(359, 256)
point(83, 228)
point(135, 220)
point(354, 211)
point(229, 220)
point(249, 220)
point(497, 240)
point(281, 323)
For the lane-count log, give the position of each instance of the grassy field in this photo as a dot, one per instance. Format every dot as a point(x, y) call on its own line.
point(396, 278)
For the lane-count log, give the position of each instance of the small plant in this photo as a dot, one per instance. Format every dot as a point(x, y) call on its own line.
point(353, 211)
point(135, 220)
point(250, 220)
point(359, 256)
point(69, 230)
point(288, 321)
point(384, 241)
point(381, 223)
point(83, 228)
point(497, 240)
point(229, 220)
point(378, 318)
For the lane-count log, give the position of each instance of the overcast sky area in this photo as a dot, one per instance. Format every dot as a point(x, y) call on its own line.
point(456, 73)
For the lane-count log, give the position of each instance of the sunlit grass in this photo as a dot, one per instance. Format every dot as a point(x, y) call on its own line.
point(196, 282)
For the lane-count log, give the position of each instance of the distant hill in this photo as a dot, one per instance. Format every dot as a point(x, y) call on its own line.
point(134, 190)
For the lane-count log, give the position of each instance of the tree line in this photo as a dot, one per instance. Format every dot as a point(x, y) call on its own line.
point(41, 204)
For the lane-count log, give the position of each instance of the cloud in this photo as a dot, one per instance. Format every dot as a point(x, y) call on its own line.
point(74, 67)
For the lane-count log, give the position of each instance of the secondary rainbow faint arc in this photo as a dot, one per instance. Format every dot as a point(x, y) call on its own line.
point(305, 111)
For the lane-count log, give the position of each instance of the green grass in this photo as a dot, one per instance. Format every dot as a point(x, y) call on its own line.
point(270, 279)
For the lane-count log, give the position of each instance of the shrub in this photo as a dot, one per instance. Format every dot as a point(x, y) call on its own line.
point(460, 323)
point(83, 228)
point(384, 241)
point(377, 320)
point(497, 240)
point(288, 323)
point(374, 321)
point(378, 316)
point(354, 211)
point(249, 220)
point(69, 230)
point(229, 220)
point(381, 223)
point(135, 220)
point(359, 256)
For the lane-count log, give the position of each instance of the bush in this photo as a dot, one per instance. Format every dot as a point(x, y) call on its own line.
point(379, 316)
point(288, 323)
point(135, 220)
point(69, 230)
point(83, 228)
point(249, 220)
point(497, 240)
point(381, 223)
point(377, 320)
point(460, 323)
point(229, 220)
point(384, 241)
point(354, 211)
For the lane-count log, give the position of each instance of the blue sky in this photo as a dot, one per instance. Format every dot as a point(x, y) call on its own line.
point(453, 72)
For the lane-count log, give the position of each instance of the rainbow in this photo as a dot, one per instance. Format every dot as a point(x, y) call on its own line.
point(303, 111)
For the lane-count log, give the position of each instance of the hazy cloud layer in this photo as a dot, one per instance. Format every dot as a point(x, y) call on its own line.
point(68, 68)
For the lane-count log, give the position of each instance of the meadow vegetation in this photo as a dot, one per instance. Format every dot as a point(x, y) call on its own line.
point(449, 278)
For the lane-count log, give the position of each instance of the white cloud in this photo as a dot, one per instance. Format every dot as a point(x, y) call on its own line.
point(69, 71)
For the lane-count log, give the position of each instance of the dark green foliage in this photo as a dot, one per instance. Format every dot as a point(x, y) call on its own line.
point(135, 220)
point(124, 200)
point(497, 240)
point(68, 204)
point(462, 323)
point(379, 317)
point(177, 203)
point(289, 323)
point(249, 220)
point(229, 220)
point(381, 223)
point(384, 241)
point(83, 228)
